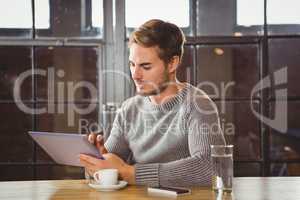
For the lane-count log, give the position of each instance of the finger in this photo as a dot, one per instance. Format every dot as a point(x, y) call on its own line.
point(90, 168)
point(100, 144)
point(90, 160)
point(88, 172)
point(92, 138)
point(103, 150)
point(100, 139)
point(92, 164)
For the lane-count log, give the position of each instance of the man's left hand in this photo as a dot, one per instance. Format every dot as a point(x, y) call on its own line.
point(111, 161)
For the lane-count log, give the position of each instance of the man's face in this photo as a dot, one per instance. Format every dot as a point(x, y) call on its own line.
point(148, 71)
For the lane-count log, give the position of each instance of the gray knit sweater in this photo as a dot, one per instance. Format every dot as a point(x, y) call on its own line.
point(169, 144)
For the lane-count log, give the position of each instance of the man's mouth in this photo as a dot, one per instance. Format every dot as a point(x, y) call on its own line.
point(139, 84)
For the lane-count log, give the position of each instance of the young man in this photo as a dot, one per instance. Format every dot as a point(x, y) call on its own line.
point(161, 136)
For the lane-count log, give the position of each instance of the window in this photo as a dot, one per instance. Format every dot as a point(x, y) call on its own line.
point(277, 14)
point(175, 11)
point(229, 18)
point(17, 14)
point(245, 9)
point(16, 18)
point(42, 14)
point(97, 13)
point(232, 70)
point(280, 19)
point(139, 11)
point(69, 18)
point(287, 14)
point(283, 20)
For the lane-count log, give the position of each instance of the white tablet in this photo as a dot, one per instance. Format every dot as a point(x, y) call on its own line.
point(64, 148)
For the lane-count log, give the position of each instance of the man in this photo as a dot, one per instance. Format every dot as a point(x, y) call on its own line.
point(161, 136)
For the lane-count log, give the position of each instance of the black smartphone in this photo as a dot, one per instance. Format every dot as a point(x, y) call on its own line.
point(168, 191)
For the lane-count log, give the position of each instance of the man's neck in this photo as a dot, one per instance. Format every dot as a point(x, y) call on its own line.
point(167, 93)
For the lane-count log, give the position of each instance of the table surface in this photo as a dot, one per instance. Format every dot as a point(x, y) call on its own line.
point(244, 188)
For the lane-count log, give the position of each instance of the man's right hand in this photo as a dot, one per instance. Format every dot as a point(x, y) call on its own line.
point(98, 141)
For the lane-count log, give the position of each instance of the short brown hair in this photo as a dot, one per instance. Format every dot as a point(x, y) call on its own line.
point(168, 37)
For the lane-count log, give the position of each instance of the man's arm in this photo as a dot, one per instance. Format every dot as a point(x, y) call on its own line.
point(191, 171)
point(203, 129)
point(118, 149)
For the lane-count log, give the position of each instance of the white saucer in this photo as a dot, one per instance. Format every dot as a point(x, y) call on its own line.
point(105, 188)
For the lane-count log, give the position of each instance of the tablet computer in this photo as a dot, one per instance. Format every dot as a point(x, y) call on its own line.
point(64, 148)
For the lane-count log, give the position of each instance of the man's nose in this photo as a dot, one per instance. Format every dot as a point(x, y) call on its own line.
point(136, 73)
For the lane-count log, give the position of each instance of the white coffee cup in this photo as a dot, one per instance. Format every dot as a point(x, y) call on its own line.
point(106, 176)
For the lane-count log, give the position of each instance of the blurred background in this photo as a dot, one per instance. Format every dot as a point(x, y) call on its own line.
point(231, 46)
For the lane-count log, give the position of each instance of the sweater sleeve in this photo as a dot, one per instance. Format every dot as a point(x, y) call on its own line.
point(116, 142)
point(203, 131)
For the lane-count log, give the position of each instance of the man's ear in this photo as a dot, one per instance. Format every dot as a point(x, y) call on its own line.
point(173, 64)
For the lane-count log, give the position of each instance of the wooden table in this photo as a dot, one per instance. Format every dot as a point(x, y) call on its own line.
point(251, 188)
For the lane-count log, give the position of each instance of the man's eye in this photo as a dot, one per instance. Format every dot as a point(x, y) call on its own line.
point(146, 67)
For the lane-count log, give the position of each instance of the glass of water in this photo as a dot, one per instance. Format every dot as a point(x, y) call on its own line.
point(222, 163)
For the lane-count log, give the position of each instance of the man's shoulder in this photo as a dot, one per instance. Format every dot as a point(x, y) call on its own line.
point(132, 103)
point(200, 101)
point(198, 95)
point(197, 91)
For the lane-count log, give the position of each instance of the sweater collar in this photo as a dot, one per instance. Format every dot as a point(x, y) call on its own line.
point(168, 105)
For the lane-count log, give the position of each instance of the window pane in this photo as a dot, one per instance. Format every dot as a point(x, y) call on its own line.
point(285, 169)
point(69, 18)
point(285, 53)
point(285, 146)
point(68, 120)
point(283, 19)
point(174, 11)
point(70, 71)
point(16, 14)
point(15, 61)
point(245, 15)
point(16, 18)
point(230, 18)
point(241, 128)
point(42, 14)
point(59, 172)
point(287, 14)
point(246, 169)
point(15, 173)
point(15, 144)
point(227, 71)
point(97, 13)
point(185, 71)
